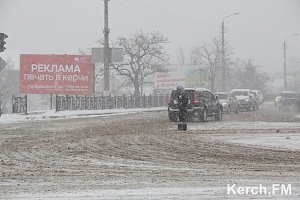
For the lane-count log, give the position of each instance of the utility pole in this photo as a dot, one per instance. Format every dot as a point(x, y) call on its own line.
point(284, 60)
point(223, 60)
point(106, 49)
point(223, 54)
point(284, 66)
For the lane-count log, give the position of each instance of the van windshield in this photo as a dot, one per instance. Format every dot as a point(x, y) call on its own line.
point(239, 93)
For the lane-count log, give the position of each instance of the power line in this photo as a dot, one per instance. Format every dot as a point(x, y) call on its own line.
point(131, 8)
point(163, 14)
point(173, 14)
point(158, 10)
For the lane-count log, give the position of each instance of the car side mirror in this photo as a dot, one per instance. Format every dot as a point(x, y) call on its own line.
point(217, 97)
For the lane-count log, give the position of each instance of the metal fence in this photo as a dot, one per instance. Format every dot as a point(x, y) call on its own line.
point(109, 102)
point(68, 102)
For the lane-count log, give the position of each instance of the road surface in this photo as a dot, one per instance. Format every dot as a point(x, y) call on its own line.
point(143, 156)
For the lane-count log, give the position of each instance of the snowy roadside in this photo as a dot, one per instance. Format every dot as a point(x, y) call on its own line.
point(51, 114)
point(138, 193)
point(279, 135)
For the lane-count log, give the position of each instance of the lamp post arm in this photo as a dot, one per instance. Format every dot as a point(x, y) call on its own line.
point(237, 13)
point(295, 34)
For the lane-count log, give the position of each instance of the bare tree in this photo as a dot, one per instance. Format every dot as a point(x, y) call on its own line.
point(195, 57)
point(9, 85)
point(181, 56)
point(144, 55)
point(210, 55)
point(246, 75)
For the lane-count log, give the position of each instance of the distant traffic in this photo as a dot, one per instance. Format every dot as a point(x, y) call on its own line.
point(203, 103)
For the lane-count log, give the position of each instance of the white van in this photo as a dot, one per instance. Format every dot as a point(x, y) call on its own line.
point(259, 96)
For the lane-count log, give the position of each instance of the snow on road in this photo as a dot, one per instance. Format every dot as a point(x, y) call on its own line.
point(277, 139)
point(51, 114)
point(133, 194)
point(144, 156)
point(236, 125)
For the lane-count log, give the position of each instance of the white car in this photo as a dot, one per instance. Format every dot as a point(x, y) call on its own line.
point(229, 103)
point(246, 97)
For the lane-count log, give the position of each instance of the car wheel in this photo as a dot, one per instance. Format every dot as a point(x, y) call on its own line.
point(203, 116)
point(237, 110)
point(219, 116)
point(172, 118)
point(254, 107)
point(190, 118)
point(228, 109)
point(249, 108)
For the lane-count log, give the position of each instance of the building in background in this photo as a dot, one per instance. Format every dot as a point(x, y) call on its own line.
point(192, 76)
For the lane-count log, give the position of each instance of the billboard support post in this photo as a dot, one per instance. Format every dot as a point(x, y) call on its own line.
point(94, 80)
point(50, 101)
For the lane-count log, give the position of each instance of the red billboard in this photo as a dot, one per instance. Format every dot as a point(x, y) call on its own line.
point(56, 74)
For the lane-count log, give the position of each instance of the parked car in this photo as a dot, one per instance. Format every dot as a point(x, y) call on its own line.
point(229, 103)
point(259, 96)
point(202, 104)
point(288, 100)
point(246, 98)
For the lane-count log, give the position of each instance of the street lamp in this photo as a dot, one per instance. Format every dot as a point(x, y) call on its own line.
point(223, 54)
point(284, 57)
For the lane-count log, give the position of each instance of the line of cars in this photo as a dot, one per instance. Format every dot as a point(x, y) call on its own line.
point(203, 103)
point(241, 100)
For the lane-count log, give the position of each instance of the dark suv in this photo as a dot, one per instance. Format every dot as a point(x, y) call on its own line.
point(202, 104)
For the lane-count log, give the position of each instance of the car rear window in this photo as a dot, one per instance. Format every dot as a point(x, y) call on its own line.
point(289, 95)
point(175, 94)
point(239, 93)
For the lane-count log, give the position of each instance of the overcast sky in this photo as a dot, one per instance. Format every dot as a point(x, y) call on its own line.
point(65, 26)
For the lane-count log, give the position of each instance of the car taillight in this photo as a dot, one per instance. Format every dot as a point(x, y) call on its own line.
point(172, 101)
point(196, 101)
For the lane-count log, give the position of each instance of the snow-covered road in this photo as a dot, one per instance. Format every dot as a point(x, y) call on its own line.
point(141, 155)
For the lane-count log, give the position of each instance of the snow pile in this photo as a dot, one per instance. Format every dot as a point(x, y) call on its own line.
point(51, 114)
point(255, 125)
